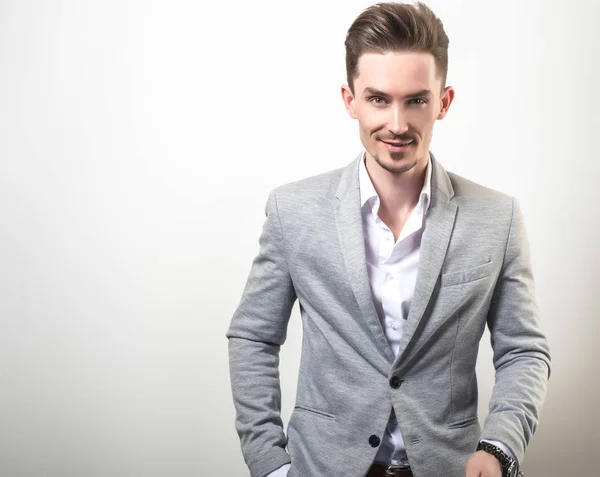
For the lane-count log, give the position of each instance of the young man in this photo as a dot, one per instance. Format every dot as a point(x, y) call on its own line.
point(398, 266)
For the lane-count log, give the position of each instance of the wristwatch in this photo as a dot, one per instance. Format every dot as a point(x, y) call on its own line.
point(509, 465)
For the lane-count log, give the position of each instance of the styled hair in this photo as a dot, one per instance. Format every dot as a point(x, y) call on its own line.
point(391, 26)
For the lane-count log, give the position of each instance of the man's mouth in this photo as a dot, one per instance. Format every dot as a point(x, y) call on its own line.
point(398, 143)
point(397, 146)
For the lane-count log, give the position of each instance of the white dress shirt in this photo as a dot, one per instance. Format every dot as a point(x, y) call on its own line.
point(392, 267)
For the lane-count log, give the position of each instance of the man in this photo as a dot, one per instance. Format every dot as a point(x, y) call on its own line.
point(398, 266)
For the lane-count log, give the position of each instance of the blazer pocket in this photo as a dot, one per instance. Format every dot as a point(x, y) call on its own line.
point(463, 422)
point(313, 411)
point(466, 276)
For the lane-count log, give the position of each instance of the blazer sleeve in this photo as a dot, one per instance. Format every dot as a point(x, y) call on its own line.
point(520, 349)
point(256, 332)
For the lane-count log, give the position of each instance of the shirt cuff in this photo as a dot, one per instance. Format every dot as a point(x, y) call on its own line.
point(504, 448)
point(281, 472)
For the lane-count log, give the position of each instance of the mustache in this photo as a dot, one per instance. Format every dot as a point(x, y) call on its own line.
point(401, 138)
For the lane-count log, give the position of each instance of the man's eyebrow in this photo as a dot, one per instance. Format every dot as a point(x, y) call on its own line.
point(418, 94)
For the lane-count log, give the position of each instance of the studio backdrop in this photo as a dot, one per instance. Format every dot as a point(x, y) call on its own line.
point(139, 141)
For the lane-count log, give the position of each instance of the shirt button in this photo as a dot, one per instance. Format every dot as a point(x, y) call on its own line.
point(374, 441)
point(393, 325)
point(389, 277)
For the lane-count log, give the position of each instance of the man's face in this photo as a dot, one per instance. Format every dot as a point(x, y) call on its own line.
point(398, 97)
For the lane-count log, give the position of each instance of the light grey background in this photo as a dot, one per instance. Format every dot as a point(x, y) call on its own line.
point(138, 143)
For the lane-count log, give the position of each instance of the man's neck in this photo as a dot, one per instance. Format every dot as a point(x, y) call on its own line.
point(397, 192)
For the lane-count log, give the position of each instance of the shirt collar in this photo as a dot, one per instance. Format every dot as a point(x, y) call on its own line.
point(367, 190)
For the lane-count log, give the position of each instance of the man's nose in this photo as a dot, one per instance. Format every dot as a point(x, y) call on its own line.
point(397, 121)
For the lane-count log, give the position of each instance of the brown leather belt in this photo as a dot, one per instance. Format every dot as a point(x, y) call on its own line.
point(378, 470)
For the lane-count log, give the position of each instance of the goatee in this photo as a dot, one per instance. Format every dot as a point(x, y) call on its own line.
point(396, 156)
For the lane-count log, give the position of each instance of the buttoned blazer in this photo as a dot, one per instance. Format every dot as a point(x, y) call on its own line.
point(474, 271)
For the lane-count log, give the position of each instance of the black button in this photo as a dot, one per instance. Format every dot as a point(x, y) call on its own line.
point(374, 440)
point(395, 382)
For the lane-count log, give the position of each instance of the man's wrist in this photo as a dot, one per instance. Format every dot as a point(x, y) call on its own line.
point(502, 446)
point(510, 466)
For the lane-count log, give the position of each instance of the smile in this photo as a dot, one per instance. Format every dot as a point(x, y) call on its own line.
point(398, 143)
point(397, 146)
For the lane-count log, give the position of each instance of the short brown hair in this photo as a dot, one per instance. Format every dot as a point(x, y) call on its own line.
point(393, 26)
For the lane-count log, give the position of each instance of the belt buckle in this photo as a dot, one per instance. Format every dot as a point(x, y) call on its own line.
point(392, 468)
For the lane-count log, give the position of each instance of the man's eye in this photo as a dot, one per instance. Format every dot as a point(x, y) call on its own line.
point(376, 100)
point(418, 101)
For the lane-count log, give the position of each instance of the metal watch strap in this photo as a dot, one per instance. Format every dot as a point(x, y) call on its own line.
point(507, 462)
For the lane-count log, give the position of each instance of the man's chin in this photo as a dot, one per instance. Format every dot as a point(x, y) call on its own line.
point(398, 163)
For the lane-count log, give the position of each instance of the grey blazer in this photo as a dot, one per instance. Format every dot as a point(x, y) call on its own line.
point(474, 271)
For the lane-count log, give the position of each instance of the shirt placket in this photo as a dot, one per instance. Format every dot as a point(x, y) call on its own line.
point(389, 288)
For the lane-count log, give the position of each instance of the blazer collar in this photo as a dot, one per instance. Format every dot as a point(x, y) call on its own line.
point(348, 219)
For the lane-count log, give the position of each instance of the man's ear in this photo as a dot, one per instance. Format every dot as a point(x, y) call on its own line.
point(348, 98)
point(446, 101)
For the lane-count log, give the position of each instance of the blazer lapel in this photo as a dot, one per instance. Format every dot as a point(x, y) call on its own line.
point(350, 231)
point(439, 224)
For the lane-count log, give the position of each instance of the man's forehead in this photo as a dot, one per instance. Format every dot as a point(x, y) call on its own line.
point(397, 73)
point(417, 60)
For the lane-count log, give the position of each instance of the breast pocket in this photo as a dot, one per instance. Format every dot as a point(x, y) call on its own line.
point(467, 276)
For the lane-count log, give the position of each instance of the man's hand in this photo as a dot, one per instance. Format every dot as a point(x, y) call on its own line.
point(482, 464)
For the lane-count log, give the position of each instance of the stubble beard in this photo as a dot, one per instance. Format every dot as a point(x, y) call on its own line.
point(396, 156)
